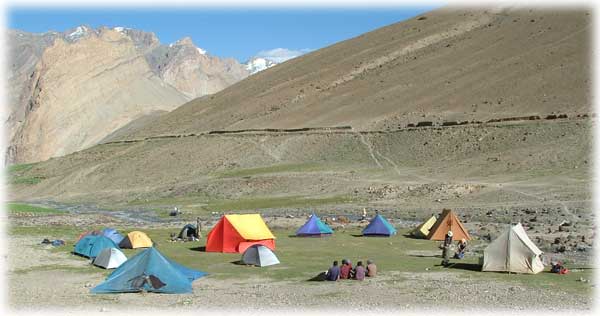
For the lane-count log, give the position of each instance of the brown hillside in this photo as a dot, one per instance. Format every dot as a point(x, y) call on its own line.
point(446, 64)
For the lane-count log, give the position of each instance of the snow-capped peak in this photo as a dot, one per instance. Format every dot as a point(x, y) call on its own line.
point(201, 51)
point(268, 58)
point(79, 32)
point(119, 29)
point(257, 64)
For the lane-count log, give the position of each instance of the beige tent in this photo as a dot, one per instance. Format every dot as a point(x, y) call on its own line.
point(422, 230)
point(513, 251)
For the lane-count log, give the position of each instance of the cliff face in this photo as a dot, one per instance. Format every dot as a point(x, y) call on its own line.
point(68, 91)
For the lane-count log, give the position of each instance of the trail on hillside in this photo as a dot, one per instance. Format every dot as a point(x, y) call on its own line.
point(370, 149)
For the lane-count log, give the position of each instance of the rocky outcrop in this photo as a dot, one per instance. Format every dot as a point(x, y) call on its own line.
point(68, 91)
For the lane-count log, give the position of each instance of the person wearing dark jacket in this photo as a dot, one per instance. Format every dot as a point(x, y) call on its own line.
point(333, 274)
point(446, 249)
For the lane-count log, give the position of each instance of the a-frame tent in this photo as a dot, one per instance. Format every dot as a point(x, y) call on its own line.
point(379, 226)
point(448, 221)
point(314, 227)
point(422, 230)
point(235, 233)
point(513, 251)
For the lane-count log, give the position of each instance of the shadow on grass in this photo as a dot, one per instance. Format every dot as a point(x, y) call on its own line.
point(239, 263)
point(201, 248)
point(465, 266)
point(319, 277)
point(356, 235)
point(426, 256)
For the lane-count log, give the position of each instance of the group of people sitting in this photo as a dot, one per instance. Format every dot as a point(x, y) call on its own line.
point(346, 271)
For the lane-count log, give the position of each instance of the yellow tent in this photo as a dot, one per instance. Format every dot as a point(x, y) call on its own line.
point(136, 239)
point(422, 230)
point(250, 226)
point(237, 232)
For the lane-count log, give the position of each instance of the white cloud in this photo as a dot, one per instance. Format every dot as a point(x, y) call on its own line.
point(279, 55)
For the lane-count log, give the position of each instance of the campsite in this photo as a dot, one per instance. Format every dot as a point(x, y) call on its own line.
point(410, 272)
point(453, 148)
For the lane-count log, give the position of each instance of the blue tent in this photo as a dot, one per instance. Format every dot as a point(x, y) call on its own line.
point(149, 271)
point(379, 226)
point(314, 227)
point(91, 245)
point(113, 234)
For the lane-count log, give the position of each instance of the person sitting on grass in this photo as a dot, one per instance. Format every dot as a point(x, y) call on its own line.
point(359, 271)
point(346, 269)
point(333, 274)
point(371, 268)
point(461, 248)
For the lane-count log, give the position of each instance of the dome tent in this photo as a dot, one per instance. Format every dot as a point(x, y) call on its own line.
point(90, 246)
point(188, 231)
point(110, 258)
point(113, 234)
point(136, 239)
point(259, 256)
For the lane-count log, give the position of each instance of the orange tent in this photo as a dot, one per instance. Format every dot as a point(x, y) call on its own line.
point(448, 221)
point(235, 233)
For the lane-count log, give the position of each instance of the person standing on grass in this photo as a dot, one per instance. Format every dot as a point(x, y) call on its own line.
point(346, 269)
point(359, 271)
point(371, 268)
point(446, 249)
point(333, 274)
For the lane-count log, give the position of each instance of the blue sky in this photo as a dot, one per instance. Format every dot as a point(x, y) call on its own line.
point(238, 33)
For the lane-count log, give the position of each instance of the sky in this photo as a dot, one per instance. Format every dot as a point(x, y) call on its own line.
point(227, 32)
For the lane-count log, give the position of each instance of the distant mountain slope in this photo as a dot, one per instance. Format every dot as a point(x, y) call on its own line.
point(446, 64)
point(67, 91)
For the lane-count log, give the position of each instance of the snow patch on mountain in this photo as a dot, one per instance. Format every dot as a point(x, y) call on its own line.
point(79, 32)
point(268, 58)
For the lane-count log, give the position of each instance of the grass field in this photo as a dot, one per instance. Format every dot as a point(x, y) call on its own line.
point(303, 258)
point(25, 208)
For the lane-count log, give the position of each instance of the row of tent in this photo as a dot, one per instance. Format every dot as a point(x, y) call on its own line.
point(238, 232)
point(149, 270)
point(437, 228)
point(133, 240)
point(512, 251)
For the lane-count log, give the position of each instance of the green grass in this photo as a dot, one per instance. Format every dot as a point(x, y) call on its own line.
point(304, 167)
point(20, 167)
point(303, 258)
point(16, 208)
point(16, 175)
point(198, 205)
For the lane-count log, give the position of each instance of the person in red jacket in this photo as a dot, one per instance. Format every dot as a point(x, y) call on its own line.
point(346, 269)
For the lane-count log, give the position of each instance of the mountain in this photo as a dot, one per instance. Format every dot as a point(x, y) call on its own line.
point(450, 65)
point(67, 91)
point(329, 130)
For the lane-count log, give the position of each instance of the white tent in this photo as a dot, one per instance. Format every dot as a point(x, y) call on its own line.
point(513, 251)
point(259, 255)
point(110, 258)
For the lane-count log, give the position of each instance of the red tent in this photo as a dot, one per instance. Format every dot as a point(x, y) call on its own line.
point(235, 233)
